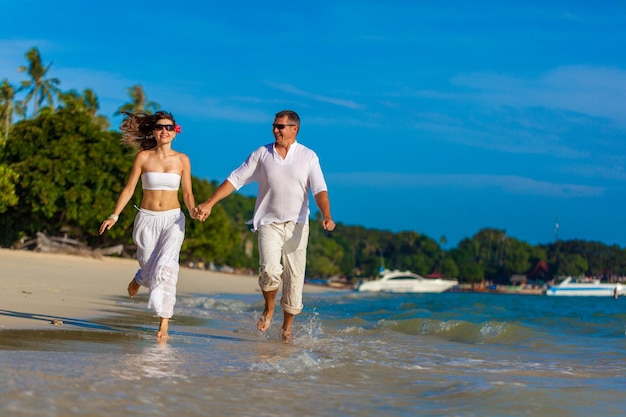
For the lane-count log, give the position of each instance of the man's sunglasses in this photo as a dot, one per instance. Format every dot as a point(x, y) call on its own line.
point(279, 127)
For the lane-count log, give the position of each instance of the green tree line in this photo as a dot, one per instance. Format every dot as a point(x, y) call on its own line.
point(62, 169)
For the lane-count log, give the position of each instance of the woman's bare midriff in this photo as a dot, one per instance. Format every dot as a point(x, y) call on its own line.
point(160, 200)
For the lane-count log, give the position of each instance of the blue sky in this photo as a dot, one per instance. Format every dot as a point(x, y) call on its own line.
point(438, 117)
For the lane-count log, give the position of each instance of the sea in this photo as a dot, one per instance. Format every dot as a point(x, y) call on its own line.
point(353, 354)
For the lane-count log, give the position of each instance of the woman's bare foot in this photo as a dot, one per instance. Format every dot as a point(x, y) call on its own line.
point(163, 325)
point(133, 288)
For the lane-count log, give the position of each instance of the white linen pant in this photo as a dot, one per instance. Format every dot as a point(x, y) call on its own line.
point(286, 242)
point(159, 236)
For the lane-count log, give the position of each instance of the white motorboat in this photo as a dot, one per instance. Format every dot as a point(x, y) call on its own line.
point(585, 287)
point(406, 281)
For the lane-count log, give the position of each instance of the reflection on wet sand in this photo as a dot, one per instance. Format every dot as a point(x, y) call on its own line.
point(155, 360)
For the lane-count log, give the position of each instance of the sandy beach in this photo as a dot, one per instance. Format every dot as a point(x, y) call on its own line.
point(36, 288)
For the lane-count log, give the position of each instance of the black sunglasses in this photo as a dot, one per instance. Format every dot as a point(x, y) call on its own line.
point(169, 128)
point(279, 127)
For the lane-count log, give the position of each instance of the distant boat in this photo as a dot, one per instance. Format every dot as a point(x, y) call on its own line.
point(405, 282)
point(573, 287)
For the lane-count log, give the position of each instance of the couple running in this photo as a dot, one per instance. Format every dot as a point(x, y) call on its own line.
point(285, 171)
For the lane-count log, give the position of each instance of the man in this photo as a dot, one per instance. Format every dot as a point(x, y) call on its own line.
point(286, 172)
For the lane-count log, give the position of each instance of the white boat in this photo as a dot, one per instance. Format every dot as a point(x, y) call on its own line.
point(585, 287)
point(406, 281)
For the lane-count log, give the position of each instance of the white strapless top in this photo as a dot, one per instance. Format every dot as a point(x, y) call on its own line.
point(168, 181)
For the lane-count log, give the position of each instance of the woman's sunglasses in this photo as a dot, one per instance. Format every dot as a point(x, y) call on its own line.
point(169, 128)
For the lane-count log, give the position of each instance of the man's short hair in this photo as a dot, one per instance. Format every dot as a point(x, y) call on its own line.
point(291, 115)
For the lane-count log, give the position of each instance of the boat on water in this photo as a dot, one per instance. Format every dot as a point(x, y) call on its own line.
point(585, 287)
point(406, 282)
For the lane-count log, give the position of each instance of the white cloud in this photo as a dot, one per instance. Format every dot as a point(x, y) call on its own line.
point(498, 137)
point(287, 88)
point(594, 91)
point(511, 184)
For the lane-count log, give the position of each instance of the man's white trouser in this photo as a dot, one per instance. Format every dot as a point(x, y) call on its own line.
point(286, 242)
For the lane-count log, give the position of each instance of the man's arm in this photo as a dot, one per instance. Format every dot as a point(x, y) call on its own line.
point(323, 204)
point(224, 190)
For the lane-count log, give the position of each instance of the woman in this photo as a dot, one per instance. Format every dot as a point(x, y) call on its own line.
point(159, 227)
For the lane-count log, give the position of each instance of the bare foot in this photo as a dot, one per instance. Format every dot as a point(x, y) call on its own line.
point(266, 318)
point(264, 321)
point(286, 336)
point(287, 326)
point(163, 325)
point(133, 288)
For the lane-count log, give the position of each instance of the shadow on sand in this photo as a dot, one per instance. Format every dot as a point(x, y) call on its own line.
point(121, 327)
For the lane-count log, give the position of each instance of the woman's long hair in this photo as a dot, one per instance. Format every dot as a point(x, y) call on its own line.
point(137, 128)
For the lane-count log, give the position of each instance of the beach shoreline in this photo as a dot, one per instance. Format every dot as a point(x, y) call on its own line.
point(37, 288)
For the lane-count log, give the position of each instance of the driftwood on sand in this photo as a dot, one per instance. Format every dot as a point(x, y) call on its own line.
point(49, 244)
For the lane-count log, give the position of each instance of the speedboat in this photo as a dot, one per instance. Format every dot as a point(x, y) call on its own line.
point(585, 287)
point(406, 281)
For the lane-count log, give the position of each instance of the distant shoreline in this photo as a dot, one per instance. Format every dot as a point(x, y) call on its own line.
point(502, 290)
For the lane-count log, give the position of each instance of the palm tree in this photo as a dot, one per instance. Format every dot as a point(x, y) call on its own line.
point(91, 101)
point(93, 105)
point(87, 103)
point(39, 88)
point(8, 107)
point(138, 102)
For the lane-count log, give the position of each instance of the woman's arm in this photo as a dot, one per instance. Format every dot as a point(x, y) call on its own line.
point(127, 192)
point(188, 198)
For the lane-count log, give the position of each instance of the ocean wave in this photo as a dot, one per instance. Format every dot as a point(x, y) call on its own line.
point(303, 362)
point(462, 331)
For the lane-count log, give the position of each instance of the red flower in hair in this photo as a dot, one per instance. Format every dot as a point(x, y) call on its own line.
point(177, 128)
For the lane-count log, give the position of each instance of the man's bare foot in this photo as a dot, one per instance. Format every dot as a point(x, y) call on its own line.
point(163, 325)
point(133, 288)
point(286, 336)
point(287, 326)
point(266, 318)
point(264, 321)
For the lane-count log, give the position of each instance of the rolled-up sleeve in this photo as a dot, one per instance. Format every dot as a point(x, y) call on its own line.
point(247, 172)
point(316, 178)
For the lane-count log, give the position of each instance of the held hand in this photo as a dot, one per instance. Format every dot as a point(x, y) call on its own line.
point(204, 211)
point(328, 224)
